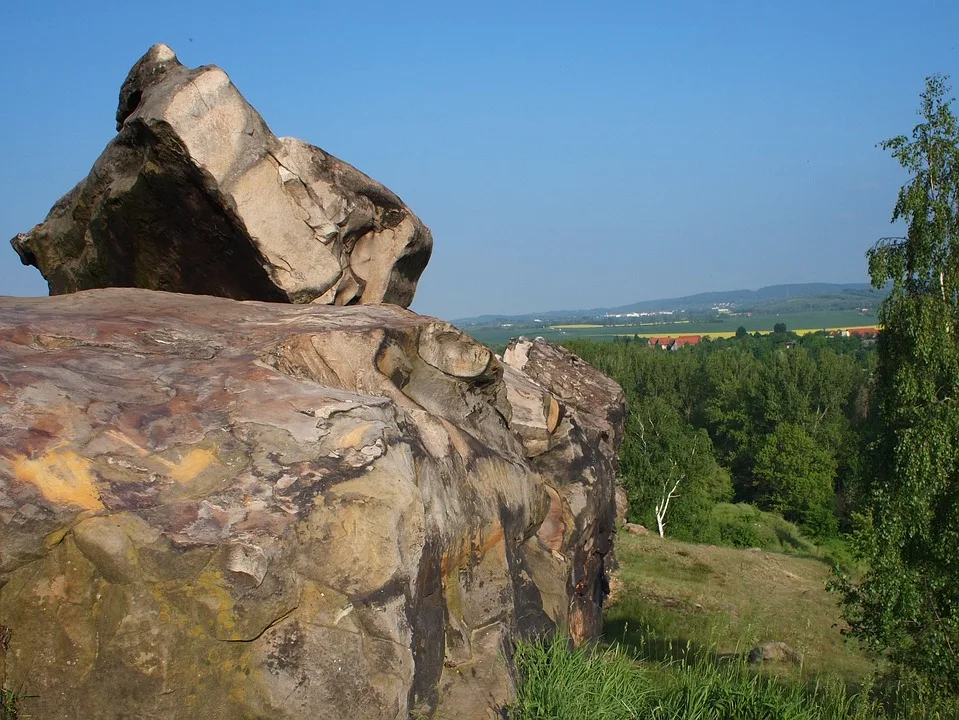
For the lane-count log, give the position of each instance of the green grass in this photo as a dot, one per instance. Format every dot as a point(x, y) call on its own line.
point(679, 625)
point(610, 683)
point(9, 704)
point(668, 594)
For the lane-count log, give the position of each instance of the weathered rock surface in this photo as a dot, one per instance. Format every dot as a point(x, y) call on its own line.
point(196, 195)
point(215, 509)
point(622, 505)
point(583, 415)
point(773, 652)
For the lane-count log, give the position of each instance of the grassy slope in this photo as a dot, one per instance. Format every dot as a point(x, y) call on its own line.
point(669, 593)
point(682, 618)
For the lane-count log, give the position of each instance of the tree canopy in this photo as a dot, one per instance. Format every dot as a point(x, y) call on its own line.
point(745, 419)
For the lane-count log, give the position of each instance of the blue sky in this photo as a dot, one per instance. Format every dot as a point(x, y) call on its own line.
point(565, 155)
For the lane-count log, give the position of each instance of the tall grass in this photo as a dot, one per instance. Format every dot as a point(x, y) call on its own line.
point(606, 683)
point(559, 683)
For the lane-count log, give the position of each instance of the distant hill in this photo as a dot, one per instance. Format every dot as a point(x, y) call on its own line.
point(743, 299)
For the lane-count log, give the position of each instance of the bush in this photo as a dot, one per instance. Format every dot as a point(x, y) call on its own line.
point(745, 526)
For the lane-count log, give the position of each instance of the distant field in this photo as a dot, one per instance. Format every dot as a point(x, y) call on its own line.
point(801, 322)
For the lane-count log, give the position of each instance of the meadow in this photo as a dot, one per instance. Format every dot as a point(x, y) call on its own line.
point(680, 623)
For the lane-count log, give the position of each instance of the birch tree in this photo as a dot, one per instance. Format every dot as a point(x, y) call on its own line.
point(907, 604)
point(672, 470)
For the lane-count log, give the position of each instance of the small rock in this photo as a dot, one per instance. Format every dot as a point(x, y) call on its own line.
point(773, 652)
point(635, 529)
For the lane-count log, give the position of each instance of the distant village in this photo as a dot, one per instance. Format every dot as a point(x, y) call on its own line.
point(866, 334)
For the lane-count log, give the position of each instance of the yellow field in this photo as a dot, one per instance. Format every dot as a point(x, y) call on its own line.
point(814, 330)
point(713, 335)
point(717, 335)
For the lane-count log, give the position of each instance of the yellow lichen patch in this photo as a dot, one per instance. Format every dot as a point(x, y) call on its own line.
point(210, 593)
point(355, 438)
point(195, 462)
point(62, 476)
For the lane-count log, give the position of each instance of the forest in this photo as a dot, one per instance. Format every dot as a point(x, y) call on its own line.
point(776, 422)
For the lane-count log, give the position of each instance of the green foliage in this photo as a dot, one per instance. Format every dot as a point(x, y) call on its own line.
point(779, 328)
point(746, 526)
point(908, 602)
point(661, 453)
point(793, 476)
point(748, 419)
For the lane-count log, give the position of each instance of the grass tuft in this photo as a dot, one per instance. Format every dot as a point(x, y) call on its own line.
point(9, 702)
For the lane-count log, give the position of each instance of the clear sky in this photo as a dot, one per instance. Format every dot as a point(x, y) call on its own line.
point(565, 154)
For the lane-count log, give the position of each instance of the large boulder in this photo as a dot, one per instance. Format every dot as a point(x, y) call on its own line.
point(196, 195)
point(221, 509)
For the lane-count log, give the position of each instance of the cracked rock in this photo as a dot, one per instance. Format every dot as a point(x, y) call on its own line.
point(196, 195)
point(179, 538)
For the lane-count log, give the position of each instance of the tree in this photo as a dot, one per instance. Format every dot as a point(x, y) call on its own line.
point(779, 328)
point(907, 603)
point(741, 332)
point(669, 467)
point(794, 477)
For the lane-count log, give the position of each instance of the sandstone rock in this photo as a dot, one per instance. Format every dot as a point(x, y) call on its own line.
point(196, 195)
point(583, 421)
point(622, 505)
point(220, 509)
point(636, 529)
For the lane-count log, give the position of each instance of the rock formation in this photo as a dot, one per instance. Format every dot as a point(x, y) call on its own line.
point(221, 509)
point(196, 195)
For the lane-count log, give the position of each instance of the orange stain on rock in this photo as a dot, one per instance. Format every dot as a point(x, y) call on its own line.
point(195, 462)
point(187, 469)
point(61, 476)
point(355, 437)
point(476, 547)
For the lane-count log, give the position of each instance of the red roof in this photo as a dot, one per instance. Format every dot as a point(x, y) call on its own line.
point(681, 341)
